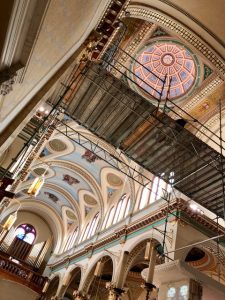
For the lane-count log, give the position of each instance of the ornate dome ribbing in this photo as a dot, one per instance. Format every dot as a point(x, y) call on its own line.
point(165, 58)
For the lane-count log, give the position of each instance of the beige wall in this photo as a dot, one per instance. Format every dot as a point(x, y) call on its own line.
point(11, 290)
point(65, 27)
point(11, 152)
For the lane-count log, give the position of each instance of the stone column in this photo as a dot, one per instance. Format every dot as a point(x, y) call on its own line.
point(119, 281)
point(149, 286)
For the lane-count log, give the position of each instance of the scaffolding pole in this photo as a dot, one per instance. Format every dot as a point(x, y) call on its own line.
point(114, 160)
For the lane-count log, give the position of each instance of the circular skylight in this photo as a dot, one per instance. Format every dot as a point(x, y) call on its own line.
point(169, 60)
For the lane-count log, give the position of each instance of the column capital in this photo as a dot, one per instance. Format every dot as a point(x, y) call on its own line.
point(78, 295)
point(115, 292)
point(149, 287)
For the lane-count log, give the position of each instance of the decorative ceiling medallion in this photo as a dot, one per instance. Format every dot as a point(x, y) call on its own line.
point(39, 171)
point(57, 145)
point(114, 180)
point(169, 60)
point(89, 200)
point(70, 215)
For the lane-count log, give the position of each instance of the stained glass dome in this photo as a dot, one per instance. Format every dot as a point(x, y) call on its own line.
point(169, 59)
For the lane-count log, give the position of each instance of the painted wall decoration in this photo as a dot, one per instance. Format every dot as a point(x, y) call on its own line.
point(52, 197)
point(44, 152)
point(110, 192)
point(70, 179)
point(169, 60)
point(89, 156)
point(87, 210)
point(71, 215)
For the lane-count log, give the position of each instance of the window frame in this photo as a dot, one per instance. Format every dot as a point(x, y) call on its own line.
point(27, 231)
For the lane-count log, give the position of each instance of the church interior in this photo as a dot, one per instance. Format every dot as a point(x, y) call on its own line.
point(112, 150)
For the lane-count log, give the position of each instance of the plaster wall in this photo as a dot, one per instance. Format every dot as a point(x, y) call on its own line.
point(7, 157)
point(186, 235)
point(10, 290)
point(210, 294)
point(65, 26)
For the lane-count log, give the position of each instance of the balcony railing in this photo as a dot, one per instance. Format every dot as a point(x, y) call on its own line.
point(18, 273)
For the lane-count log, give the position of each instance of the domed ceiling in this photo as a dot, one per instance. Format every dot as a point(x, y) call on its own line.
point(165, 60)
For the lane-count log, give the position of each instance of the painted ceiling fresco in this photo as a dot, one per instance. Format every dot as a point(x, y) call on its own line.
point(165, 58)
point(72, 170)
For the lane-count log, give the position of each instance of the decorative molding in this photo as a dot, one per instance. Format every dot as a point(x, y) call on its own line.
point(152, 15)
point(210, 123)
point(14, 32)
point(178, 204)
point(146, 30)
point(206, 89)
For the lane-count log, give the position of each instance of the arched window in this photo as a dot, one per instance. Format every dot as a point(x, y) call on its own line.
point(26, 233)
point(71, 240)
point(145, 197)
point(124, 208)
point(118, 212)
point(171, 293)
point(93, 226)
point(159, 189)
point(90, 228)
point(109, 217)
point(118, 208)
point(85, 232)
point(183, 292)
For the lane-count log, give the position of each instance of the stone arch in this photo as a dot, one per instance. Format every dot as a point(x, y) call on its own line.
point(47, 213)
point(144, 238)
point(53, 287)
point(72, 279)
point(135, 251)
point(212, 264)
point(182, 31)
point(89, 273)
point(82, 172)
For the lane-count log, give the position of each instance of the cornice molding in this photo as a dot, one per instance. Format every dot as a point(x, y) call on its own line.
point(153, 15)
point(160, 214)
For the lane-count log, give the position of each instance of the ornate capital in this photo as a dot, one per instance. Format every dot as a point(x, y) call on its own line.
point(8, 78)
point(78, 295)
point(115, 292)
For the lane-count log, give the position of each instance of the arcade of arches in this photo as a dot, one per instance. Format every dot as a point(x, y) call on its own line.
point(112, 150)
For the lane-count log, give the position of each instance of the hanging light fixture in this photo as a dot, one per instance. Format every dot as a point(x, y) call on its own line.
point(36, 186)
point(11, 219)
